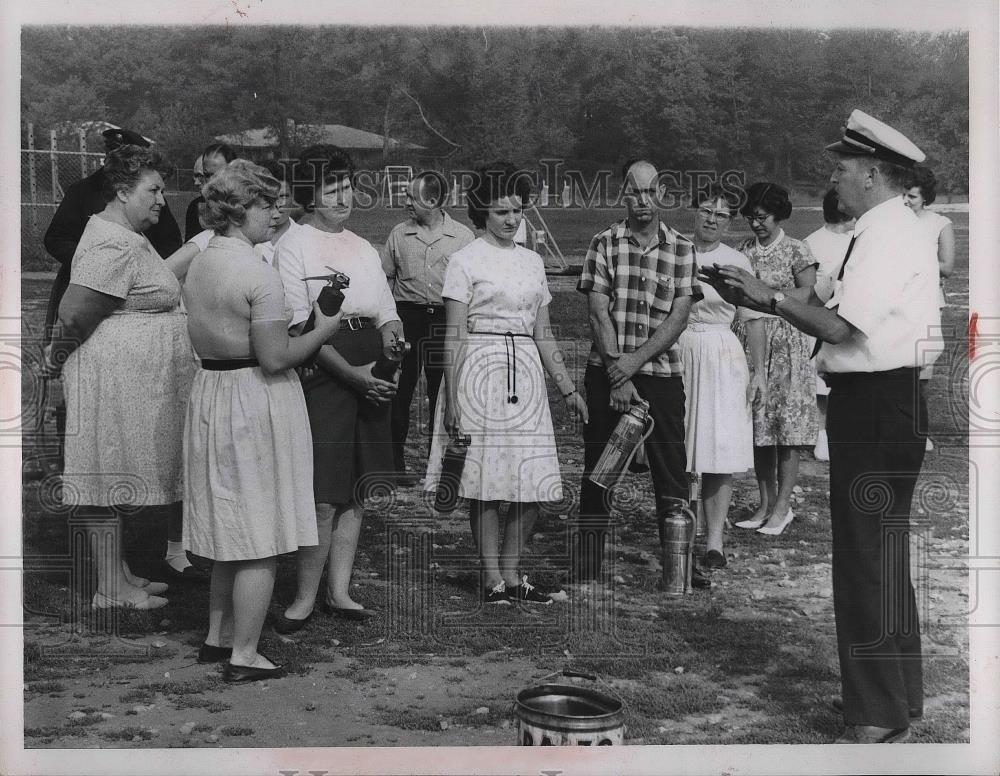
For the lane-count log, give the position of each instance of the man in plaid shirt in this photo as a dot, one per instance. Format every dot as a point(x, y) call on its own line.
point(640, 281)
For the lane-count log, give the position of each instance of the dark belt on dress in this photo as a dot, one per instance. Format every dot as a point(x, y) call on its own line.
point(356, 324)
point(511, 353)
point(853, 378)
point(430, 309)
point(228, 364)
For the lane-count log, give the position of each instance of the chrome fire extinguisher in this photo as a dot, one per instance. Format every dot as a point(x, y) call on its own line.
point(629, 435)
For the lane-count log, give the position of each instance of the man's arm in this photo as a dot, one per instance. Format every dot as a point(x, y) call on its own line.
point(800, 307)
point(602, 331)
point(67, 225)
point(663, 337)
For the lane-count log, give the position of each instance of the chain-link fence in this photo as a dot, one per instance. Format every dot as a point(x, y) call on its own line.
point(46, 174)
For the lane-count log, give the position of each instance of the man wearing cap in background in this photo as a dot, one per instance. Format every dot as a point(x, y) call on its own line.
point(881, 312)
point(414, 259)
point(82, 200)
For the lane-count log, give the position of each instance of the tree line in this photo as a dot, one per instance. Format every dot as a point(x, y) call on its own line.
point(760, 101)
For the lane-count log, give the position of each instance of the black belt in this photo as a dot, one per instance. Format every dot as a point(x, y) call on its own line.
point(847, 378)
point(430, 309)
point(356, 324)
point(511, 353)
point(228, 364)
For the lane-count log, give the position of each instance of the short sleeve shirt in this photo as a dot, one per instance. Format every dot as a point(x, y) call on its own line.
point(416, 260)
point(227, 288)
point(641, 285)
point(889, 293)
point(118, 262)
point(308, 251)
point(503, 287)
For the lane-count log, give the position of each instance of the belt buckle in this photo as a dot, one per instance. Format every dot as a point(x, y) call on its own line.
point(354, 324)
point(431, 310)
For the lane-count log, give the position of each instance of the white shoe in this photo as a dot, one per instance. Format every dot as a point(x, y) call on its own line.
point(929, 447)
point(821, 452)
point(132, 599)
point(750, 523)
point(777, 530)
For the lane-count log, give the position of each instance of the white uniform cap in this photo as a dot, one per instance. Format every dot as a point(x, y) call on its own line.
point(867, 136)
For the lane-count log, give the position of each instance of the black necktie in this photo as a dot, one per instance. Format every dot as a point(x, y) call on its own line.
point(840, 276)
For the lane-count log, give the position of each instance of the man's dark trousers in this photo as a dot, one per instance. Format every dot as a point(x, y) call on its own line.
point(423, 328)
point(665, 452)
point(876, 450)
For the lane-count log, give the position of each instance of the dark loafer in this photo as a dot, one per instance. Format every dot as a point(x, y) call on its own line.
point(714, 560)
point(699, 581)
point(240, 674)
point(209, 653)
point(359, 615)
point(285, 625)
point(838, 706)
point(870, 734)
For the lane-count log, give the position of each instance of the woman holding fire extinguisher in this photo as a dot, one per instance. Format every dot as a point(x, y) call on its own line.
point(348, 404)
point(498, 339)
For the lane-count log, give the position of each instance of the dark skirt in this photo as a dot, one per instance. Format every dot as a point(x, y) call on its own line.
point(352, 440)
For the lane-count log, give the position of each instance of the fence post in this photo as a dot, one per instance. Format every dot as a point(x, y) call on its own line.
point(83, 152)
point(56, 188)
point(32, 178)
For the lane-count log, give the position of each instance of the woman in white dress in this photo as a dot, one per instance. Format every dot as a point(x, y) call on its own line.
point(247, 448)
point(718, 426)
point(499, 338)
point(921, 192)
point(829, 246)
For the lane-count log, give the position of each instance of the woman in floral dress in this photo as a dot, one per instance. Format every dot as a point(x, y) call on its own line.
point(498, 339)
point(782, 378)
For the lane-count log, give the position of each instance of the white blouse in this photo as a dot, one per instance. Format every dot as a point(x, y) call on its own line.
point(308, 251)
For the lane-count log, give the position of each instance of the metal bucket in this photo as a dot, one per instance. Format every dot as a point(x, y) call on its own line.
point(563, 715)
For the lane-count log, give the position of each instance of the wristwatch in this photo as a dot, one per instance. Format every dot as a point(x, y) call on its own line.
point(778, 297)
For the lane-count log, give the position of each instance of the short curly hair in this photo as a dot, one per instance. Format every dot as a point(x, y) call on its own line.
point(924, 179)
point(769, 197)
point(494, 182)
point(125, 164)
point(319, 165)
point(832, 214)
point(233, 189)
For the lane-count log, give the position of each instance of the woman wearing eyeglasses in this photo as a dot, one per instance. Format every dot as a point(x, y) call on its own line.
point(782, 377)
point(718, 429)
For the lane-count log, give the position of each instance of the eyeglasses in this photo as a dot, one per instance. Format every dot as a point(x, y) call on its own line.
point(758, 218)
point(720, 215)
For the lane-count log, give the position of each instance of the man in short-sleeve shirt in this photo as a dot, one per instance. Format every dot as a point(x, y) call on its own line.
point(639, 277)
point(876, 328)
point(415, 258)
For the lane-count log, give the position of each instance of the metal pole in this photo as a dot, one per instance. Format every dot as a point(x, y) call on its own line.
point(56, 188)
point(558, 252)
point(83, 152)
point(32, 179)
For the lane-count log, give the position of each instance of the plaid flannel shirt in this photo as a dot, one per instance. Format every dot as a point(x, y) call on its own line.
point(641, 286)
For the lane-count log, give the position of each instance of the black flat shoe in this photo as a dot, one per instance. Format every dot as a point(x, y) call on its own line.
point(838, 706)
point(285, 625)
point(359, 615)
point(239, 674)
point(209, 653)
point(714, 560)
point(699, 581)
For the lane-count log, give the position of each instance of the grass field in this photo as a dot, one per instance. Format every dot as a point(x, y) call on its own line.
point(751, 661)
